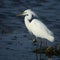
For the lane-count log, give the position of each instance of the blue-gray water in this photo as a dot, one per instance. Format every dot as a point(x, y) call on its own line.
point(15, 41)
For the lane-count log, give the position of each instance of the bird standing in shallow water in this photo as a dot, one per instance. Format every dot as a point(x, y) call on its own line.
point(36, 27)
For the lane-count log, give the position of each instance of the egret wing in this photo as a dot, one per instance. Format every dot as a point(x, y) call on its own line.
point(38, 27)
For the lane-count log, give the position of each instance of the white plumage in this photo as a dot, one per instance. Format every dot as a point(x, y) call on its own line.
point(36, 26)
point(40, 30)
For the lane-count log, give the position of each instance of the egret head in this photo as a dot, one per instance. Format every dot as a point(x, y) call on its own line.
point(26, 12)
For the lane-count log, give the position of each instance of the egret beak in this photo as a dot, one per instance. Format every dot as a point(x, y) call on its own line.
point(20, 14)
point(24, 13)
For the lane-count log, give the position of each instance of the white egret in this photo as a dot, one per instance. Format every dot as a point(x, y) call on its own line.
point(36, 27)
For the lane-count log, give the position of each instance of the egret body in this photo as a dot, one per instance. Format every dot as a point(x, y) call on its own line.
point(36, 27)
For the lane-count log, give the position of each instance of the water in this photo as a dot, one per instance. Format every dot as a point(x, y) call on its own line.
point(15, 41)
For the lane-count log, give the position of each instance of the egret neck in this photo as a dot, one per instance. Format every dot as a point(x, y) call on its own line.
point(27, 19)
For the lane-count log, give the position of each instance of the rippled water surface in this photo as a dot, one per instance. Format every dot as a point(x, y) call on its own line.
point(15, 40)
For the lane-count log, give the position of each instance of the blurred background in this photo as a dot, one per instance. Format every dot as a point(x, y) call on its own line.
point(15, 40)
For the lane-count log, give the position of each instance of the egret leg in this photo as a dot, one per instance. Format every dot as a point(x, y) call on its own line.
point(36, 45)
point(40, 48)
point(46, 43)
point(41, 44)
